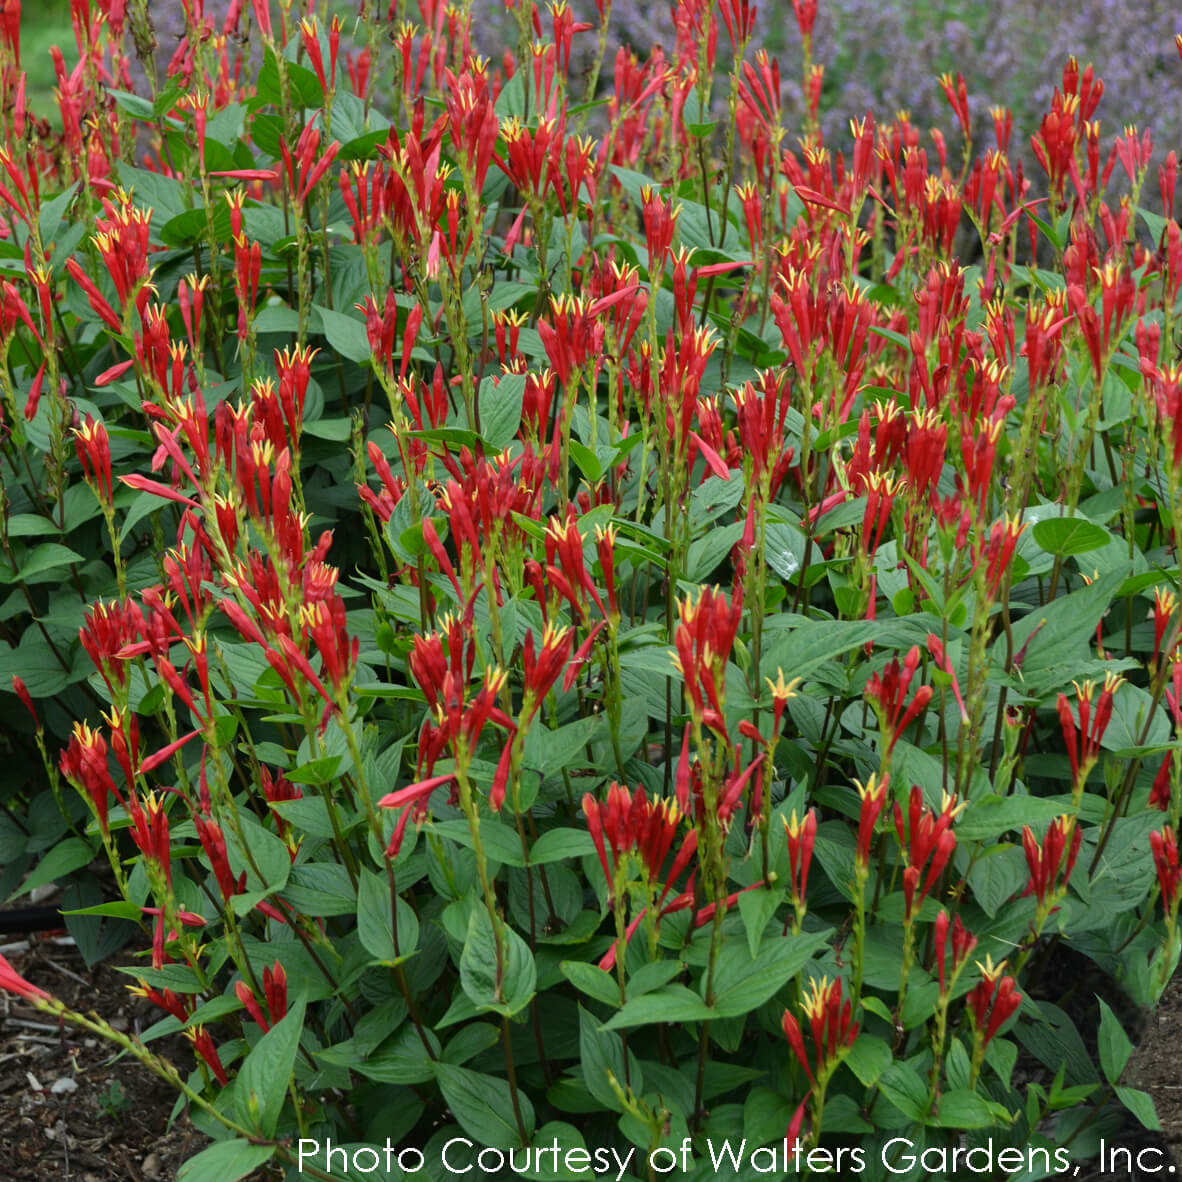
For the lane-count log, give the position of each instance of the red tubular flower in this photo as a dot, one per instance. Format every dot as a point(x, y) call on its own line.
point(926, 840)
point(275, 993)
point(992, 1002)
point(963, 943)
point(881, 490)
point(84, 764)
point(704, 637)
point(1046, 859)
point(927, 438)
point(605, 549)
point(1165, 603)
point(999, 551)
point(800, 836)
point(413, 801)
point(22, 691)
point(180, 1006)
point(831, 1026)
point(806, 16)
point(660, 222)
point(204, 1046)
point(956, 93)
point(98, 302)
point(873, 797)
point(325, 626)
point(149, 831)
point(213, 842)
point(628, 823)
point(13, 982)
point(564, 552)
point(944, 664)
point(1164, 845)
point(887, 694)
point(1083, 741)
point(246, 996)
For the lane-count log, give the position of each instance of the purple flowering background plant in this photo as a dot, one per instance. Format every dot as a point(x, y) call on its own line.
point(889, 56)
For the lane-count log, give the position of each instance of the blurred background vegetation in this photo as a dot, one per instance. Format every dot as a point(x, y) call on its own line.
point(879, 55)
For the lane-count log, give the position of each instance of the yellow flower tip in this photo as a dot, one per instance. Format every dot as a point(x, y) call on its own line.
point(783, 691)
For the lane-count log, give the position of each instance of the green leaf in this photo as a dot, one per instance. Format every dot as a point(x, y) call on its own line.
point(813, 642)
point(561, 845)
point(868, 1058)
point(374, 921)
point(478, 967)
point(500, 409)
point(674, 1003)
point(1141, 1105)
point(46, 557)
point(225, 1161)
point(483, 1105)
point(265, 858)
point(345, 334)
point(757, 909)
point(904, 1089)
point(1066, 536)
point(784, 548)
point(601, 1055)
point(743, 982)
point(964, 1109)
point(65, 857)
point(501, 843)
point(118, 910)
point(302, 83)
point(593, 981)
point(263, 1078)
point(997, 875)
point(1115, 1047)
point(706, 552)
point(1067, 625)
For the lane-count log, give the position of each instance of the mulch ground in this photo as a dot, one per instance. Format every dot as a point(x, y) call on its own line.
point(70, 1113)
point(67, 1112)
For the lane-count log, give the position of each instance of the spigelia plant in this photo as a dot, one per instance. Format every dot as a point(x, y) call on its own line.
point(593, 635)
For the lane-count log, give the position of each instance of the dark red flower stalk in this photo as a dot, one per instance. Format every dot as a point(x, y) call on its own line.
point(1052, 860)
point(963, 943)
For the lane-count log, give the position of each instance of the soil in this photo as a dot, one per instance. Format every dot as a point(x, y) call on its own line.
point(69, 1112)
